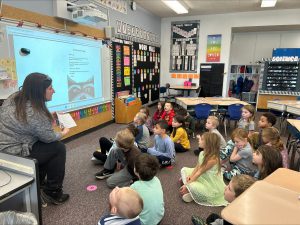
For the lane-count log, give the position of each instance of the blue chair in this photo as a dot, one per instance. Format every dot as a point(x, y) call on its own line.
point(202, 111)
point(163, 93)
point(233, 113)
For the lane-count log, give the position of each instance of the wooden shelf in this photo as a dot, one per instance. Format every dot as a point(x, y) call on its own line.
point(126, 113)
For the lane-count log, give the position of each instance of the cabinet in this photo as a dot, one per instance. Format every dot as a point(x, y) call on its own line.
point(242, 73)
point(281, 76)
point(278, 81)
point(125, 112)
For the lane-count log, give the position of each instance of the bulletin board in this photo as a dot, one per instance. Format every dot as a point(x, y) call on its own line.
point(184, 46)
point(122, 66)
point(146, 72)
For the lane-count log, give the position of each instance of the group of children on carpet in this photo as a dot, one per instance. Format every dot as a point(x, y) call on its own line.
point(128, 160)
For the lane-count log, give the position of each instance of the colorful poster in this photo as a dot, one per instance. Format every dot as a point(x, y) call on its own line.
point(127, 81)
point(126, 50)
point(126, 71)
point(213, 51)
point(184, 46)
point(126, 61)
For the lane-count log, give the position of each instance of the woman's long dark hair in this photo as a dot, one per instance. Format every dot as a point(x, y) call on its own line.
point(179, 119)
point(33, 90)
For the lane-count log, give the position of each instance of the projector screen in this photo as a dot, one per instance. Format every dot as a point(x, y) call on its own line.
point(73, 63)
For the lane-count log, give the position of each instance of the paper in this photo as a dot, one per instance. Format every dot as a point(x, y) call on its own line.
point(127, 81)
point(66, 120)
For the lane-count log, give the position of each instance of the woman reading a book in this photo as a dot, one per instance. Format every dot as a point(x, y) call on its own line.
point(26, 130)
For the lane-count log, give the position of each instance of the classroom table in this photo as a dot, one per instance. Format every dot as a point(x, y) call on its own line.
point(264, 203)
point(285, 178)
point(283, 106)
point(293, 108)
point(184, 88)
point(280, 105)
point(294, 123)
point(192, 102)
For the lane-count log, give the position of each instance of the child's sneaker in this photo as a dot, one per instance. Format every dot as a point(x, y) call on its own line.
point(187, 198)
point(198, 220)
point(104, 174)
point(97, 161)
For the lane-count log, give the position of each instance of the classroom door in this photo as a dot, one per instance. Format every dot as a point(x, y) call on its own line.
point(211, 79)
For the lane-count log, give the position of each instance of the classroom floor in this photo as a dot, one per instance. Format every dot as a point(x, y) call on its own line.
point(87, 207)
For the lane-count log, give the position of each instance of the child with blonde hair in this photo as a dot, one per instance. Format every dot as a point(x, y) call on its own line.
point(235, 188)
point(241, 156)
point(271, 137)
point(125, 154)
point(179, 135)
point(204, 183)
point(149, 121)
point(211, 125)
point(212, 122)
point(143, 137)
point(268, 159)
point(125, 207)
point(247, 120)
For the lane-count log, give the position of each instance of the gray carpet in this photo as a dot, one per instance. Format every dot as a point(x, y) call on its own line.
point(87, 207)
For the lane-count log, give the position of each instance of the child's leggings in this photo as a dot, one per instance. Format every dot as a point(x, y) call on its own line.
point(226, 152)
point(228, 175)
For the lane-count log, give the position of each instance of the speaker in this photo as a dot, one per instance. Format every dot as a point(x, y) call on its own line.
point(109, 32)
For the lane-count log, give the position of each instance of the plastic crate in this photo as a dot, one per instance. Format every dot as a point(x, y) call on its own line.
point(249, 97)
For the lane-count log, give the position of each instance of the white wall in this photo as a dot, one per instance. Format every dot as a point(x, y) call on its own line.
point(223, 24)
point(249, 47)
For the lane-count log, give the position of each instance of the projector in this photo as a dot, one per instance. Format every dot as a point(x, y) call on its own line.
point(88, 15)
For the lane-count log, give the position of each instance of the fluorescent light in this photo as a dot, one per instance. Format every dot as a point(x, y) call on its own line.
point(176, 6)
point(268, 3)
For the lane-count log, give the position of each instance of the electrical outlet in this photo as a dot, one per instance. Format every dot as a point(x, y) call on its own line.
point(16, 167)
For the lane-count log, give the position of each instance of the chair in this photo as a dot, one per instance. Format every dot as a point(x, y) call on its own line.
point(294, 152)
point(162, 93)
point(202, 111)
point(171, 97)
point(233, 113)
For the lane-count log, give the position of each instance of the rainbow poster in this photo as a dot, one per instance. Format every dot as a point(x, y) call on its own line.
point(213, 51)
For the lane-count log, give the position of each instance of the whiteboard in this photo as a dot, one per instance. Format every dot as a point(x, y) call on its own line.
point(78, 66)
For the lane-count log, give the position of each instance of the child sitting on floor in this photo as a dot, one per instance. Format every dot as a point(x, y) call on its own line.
point(158, 113)
point(168, 115)
point(143, 137)
point(189, 122)
point(99, 157)
point(241, 156)
point(179, 135)
point(149, 121)
point(125, 206)
point(247, 120)
point(163, 145)
point(236, 187)
point(123, 157)
point(271, 137)
point(268, 159)
point(149, 188)
point(212, 122)
point(266, 120)
point(204, 183)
